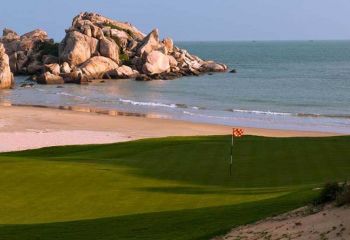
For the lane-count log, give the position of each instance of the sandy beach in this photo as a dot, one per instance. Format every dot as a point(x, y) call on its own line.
point(328, 223)
point(34, 127)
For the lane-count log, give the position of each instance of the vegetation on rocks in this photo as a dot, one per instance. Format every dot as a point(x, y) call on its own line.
point(48, 48)
point(124, 59)
point(130, 33)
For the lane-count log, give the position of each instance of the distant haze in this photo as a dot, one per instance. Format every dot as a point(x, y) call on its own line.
point(193, 20)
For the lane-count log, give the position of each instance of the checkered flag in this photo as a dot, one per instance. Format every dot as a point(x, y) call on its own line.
point(237, 132)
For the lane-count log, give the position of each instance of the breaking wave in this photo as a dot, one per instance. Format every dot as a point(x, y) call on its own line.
point(306, 115)
point(158, 104)
point(151, 104)
point(261, 112)
point(69, 95)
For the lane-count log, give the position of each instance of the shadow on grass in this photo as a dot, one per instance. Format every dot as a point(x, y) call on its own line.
point(201, 223)
point(204, 190)
point(258, 161)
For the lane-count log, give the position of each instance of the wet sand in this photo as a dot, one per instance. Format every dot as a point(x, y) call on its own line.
point(23, 127)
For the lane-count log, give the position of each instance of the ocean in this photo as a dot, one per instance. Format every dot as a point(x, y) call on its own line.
point(294, 85)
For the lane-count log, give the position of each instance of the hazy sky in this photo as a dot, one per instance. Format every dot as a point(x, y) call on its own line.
point(193, 19)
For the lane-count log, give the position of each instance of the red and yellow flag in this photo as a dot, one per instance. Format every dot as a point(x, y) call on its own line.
point(237, 132)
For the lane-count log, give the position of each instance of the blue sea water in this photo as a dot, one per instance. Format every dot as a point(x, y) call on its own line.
point(299, 85)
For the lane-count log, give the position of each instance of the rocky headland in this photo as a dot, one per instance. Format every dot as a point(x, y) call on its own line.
point(96, 47)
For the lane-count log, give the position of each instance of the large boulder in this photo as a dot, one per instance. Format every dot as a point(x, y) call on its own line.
point(172, 61)
point(65, 68)
point(76, 48)
point(36, 35)
point(49, 78)
point(96, 68)
point(11, 41)
point(18, 62)
point(149, 43)
point(121, 37)
point(30, 40)
point(211, 66)
point(156, 62)
point(87, 27)
point(10, 35)
point(124, 72)
point(6, 77)
point(168, 45)
point(53, 68)
point(109, 49)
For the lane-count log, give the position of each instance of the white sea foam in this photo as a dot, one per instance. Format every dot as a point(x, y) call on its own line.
point(307, 115)
point(206, 116)
point(159, 104)
point(40, 90)
point(262, 112)
point(70, 95)
point(151, 104)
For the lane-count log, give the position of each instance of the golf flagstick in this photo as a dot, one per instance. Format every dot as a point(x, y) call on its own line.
point(236, 132)
point(231, 154)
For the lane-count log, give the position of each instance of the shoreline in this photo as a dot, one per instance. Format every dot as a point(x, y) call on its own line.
point(29, 127)
point(268, 132)
point(115, 112)
point(86, 109)
point(114, 102)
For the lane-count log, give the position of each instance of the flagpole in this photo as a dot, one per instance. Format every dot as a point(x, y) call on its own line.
point(231, 154)
point(235, 133)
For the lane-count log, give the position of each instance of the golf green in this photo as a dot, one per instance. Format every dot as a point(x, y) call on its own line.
point(169, 188)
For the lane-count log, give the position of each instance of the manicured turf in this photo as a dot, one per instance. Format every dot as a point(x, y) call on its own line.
point(172, 188)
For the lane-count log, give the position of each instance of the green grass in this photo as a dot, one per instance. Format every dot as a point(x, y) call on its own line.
point(171, 188)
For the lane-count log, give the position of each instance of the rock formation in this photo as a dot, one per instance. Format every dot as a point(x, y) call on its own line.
point(156, 62)
point(95, 68)
point(6, 77)
point(28, 53)
point(98, 47)
point(76, 48)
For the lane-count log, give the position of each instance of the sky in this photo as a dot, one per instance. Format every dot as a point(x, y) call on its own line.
point(192, 20)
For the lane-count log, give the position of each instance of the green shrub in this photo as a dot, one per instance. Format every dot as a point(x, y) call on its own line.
point(329, 193)
point(131, 34)
point(344, 197)
point(48, 48)
point(124, 59)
